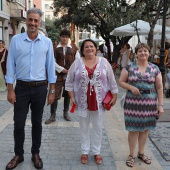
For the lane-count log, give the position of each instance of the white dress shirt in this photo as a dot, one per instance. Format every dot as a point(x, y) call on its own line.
point(59, 68)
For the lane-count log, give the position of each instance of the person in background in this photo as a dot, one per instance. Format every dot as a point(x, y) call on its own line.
point(89, 79)
point(105, 50)
point(3, 59)
point(111, 50)
point(157, 60)
point(65, 54)
point(31, 61)
point(55, 44)
point(125, 55)
point(167, 52)
point(101, 48)
point(98, 53)
point(143, 102)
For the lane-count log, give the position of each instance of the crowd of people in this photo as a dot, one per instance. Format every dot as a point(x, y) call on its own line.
point(45, 70)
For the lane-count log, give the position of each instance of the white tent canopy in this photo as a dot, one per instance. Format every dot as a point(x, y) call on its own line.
point(92, 38)
point(142, 27)
point(159, 36)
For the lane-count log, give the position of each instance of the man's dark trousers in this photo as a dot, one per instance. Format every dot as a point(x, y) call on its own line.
point(33, 97)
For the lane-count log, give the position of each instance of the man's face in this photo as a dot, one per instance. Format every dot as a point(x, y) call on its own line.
point(33, 22)
point(64, 39)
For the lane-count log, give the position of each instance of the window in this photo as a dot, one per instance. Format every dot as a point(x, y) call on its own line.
point(21, 2)
point(48, 16)
point(47, 6)
point(1, 33)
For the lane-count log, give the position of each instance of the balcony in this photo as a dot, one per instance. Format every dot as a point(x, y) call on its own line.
point(21, 2)
point(18, 14)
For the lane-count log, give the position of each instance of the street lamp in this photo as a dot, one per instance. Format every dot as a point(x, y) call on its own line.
point(123, 6)
point(162, 50)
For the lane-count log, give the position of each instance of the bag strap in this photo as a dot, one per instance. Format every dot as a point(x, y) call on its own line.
point(3, 57)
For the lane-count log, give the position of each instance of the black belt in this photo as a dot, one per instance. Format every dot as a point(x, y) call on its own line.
point(32, 83)
point(146, 91)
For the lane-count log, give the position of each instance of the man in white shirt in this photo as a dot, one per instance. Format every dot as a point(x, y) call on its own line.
point(65, 54)
point(105, 50)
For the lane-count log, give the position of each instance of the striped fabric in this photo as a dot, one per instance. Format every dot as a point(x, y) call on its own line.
point(140, 110)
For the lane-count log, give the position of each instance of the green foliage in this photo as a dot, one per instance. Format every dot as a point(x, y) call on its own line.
point(105, 15)
point(52, 30)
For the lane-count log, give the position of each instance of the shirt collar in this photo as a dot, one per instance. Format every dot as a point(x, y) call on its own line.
point(25, 37)
point(68, 45)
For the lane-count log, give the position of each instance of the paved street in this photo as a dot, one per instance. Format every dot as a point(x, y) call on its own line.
point(60, 148)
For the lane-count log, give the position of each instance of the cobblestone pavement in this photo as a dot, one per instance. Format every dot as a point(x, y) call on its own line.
point(60, 148)
point(159, 142)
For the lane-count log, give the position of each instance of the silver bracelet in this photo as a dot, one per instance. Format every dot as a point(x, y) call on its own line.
point(52, 91)
point(160, 105)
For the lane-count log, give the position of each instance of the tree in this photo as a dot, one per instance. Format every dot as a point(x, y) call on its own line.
point(150, 11)
point(52, 30)
point(105, 15)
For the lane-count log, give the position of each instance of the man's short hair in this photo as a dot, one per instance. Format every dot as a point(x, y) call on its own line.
point(65, 32)
point(35, 10)
point(2, 41)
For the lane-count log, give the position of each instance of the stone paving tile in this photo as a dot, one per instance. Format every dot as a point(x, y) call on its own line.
point(4, 106)
point(60, 149)
point(59, 113)
point(61, 135)
point(160, 137)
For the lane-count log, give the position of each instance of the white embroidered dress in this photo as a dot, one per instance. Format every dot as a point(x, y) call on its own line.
point(103, 80)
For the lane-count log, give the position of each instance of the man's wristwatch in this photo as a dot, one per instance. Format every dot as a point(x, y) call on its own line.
point(52, 91)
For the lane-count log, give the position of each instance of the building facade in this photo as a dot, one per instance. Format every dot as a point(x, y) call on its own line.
point(13, 16)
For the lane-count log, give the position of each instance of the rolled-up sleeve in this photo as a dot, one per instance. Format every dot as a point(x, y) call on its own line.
point(58, 68)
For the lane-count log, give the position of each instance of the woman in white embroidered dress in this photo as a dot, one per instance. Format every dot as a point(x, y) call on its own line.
point(88, 80)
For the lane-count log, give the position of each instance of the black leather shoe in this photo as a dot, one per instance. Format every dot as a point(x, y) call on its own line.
point(38, 164)
point(14, 162)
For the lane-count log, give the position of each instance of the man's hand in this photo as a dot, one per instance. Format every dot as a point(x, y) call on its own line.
point(51, 98)
point(11, 96)
point(64, 71)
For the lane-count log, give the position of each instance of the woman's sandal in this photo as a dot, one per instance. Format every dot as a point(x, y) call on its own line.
point(144, 158)
point(130, 161)
point(98, 159)
point(84, 158)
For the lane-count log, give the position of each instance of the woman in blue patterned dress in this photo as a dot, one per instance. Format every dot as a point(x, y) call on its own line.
point(144, 100)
